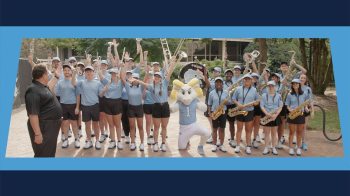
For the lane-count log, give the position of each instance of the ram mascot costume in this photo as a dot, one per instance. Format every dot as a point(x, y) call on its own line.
point(187, 102)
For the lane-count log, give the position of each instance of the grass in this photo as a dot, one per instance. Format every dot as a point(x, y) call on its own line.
point(332, 120)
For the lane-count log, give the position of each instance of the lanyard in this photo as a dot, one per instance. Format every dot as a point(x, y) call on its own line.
point(273, 99)
point(244, 96)
point(228, 82)
point(297, 95)
point(219, 96)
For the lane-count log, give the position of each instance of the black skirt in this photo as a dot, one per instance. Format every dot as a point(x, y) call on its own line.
point(257, 110)
point(298, 120)
point(274, 123)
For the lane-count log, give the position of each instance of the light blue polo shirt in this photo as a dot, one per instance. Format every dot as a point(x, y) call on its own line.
point(245, 95)
point(148, 97)
point(271, 102)
point(89, 91)
point(80, 77)
point(187, 113)
point(227, 84)
point(66, 91)
point(295, 100)
point(236, 78)
point(134, 94)
point(306, 89)
point(216, 98)
point(115, 90)
point(155, 91)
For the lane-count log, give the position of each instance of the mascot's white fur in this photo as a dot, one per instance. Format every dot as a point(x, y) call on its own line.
point(187, 102)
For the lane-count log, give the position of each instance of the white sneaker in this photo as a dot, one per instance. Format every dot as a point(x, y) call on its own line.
point(237, 149)
point(98, 145)
point(210, 140)
point(127, 139)
point(274, 151)
point(65, 143)
point(132, 146)
point(88, 144)
point(299, 152)
point(92, 133)
point(218, 143)
point(120, 146)
point(200, 150)
point(258, 138)
point(222, 148)
point(233, 143)
point(255, 144)
point(142, 147)
point(77, 143)
point(214, 149)
point(248, 150)
point(111, 144)
point(102, 138)
point(150, 141)
point(163, 147)
point(291, 151)
point(279, 145)
point(266, 151)
point(155, 147)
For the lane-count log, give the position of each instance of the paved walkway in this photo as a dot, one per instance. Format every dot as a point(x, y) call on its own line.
point(19, 144)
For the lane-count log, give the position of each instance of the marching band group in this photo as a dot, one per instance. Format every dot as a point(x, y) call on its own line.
point(111, 99)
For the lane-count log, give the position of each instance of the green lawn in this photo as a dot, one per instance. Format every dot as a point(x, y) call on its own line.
point(332, 120)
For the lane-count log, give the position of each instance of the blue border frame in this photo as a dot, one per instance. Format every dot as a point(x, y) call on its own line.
point(10, 42)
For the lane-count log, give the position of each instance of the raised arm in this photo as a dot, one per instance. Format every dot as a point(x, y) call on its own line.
point(255, 70)
point(171, 68)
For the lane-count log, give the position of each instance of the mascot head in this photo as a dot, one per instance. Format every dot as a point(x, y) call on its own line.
point(186, 93)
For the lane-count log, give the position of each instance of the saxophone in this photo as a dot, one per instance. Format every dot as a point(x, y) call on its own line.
point(267, 119)
point(298, 111)
point(219, 111)
point(235, 111)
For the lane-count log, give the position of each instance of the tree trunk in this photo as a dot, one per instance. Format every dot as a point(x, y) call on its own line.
point(320, 67)
point(263, 52)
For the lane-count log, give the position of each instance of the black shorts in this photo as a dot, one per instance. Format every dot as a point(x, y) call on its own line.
point(113, 106)
point(257, 110)
point(147, 108)
point(90, 113)
point(135, 111)
point(274, 123)
point(69, 111)
point(230, 119)
point(284, 111)
point(298, 120)
point(101, 101)
point(161, 110)
point(220, 122)
point(249, 117)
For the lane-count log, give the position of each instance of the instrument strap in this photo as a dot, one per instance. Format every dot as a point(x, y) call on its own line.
point(273, 99)
point(219, 96)
point(244, 96)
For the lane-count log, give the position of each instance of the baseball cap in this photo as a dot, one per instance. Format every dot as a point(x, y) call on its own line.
point(247, 76)
point(217, 69)
point(72, 59)
point(219, 78)
point(271, 82)
point(56, 59)
point(89, 67)
point(237, 67)
point(296, 81)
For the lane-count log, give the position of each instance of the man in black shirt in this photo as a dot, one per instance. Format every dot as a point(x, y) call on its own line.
point(44, 112)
